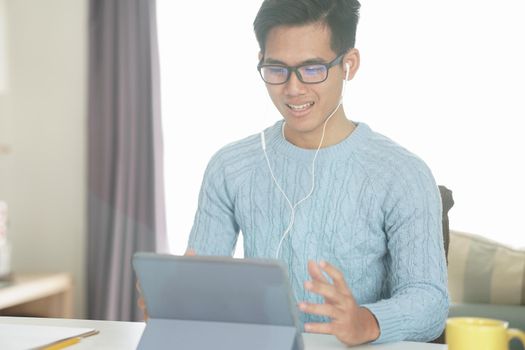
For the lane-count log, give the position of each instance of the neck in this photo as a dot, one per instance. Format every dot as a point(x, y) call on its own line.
point(337, 129)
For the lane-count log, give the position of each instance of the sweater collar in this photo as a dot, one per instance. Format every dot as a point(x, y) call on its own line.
point(341, 150)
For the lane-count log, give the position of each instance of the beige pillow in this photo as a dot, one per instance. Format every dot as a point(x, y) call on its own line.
point(484, 271)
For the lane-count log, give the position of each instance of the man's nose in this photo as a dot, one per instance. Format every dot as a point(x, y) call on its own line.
point(294, 86)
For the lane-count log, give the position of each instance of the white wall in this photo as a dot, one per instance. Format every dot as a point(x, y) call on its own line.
point(3, 47)
point(445, 79)
point(43, 121)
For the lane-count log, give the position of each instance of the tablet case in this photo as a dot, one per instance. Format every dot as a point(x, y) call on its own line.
point(216, 303)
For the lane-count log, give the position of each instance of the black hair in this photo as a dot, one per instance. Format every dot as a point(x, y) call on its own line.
point(341, 17)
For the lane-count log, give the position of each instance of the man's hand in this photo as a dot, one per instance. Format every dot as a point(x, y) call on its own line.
point(140, 301)
point(349, 322)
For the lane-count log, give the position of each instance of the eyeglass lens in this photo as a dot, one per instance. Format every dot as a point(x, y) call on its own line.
point(307, 74)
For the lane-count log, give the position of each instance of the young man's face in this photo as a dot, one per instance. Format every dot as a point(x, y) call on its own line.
point(304, 107)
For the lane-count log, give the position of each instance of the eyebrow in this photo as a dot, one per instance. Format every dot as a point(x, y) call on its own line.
point(314, 60)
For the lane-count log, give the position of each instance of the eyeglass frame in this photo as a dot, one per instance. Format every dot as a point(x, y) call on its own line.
point(295, 69)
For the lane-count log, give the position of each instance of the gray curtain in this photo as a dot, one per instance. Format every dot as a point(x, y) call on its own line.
point(125, 175)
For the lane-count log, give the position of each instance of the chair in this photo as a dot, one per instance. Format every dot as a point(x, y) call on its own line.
point(447, 202)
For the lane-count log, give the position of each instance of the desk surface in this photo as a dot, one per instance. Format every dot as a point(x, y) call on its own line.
point(126, 335)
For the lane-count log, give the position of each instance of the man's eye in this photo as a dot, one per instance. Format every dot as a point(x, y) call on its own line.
point(313, 70)
point(276, 70)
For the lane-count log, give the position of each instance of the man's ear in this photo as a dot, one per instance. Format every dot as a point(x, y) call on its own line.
point(352, 60)
point(261, 56)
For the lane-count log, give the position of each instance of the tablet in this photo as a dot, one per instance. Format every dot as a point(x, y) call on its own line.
point(216, 302)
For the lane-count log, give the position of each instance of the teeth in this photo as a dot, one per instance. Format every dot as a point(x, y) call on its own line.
point(300, 107)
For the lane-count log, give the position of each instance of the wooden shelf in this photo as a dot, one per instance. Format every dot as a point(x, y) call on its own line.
point(41, 295)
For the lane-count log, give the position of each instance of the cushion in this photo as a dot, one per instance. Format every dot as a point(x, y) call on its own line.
point(484, 271)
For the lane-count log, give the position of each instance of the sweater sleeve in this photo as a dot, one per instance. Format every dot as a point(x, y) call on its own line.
point(415, 306)
point(215, 229)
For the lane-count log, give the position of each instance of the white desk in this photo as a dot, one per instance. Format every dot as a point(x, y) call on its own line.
point(126, 335)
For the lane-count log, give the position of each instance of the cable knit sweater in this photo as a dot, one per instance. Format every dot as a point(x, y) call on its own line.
point(375, 214)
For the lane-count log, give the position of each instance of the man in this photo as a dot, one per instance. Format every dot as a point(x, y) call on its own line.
point(354, 216)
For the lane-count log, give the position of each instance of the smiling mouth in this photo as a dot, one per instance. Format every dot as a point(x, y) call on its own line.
point(299, 108)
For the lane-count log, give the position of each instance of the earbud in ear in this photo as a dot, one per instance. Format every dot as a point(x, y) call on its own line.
point(347, 66)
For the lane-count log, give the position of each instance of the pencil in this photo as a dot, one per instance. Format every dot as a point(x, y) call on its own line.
point(63, 344)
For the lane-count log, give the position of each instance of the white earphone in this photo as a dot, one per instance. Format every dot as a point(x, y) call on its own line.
point(294, 206)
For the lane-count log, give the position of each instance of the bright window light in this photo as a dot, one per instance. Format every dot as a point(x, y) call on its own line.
point(444, 79)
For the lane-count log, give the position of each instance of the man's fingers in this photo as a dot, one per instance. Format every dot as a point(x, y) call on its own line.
point(327, 310)
point(323, 328)
point(190, 252)
point(326, 290)
point(315, 271)
point(142, 306)
point(140, 302)
point(337, 277)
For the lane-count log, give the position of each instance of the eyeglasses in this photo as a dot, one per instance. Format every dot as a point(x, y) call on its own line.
point(275, 74)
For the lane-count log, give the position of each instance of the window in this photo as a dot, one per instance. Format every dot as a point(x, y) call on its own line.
point(444, 79)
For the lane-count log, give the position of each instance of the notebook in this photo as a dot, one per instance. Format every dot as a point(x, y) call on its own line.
point(25, 336)
point(216, 303)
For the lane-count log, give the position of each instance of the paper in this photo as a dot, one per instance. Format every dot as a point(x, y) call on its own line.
point(24, 336)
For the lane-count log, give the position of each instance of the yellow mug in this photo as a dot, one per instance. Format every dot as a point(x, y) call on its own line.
point(474, 333)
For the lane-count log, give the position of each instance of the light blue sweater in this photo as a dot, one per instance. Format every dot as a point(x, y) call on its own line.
point(375, 214)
